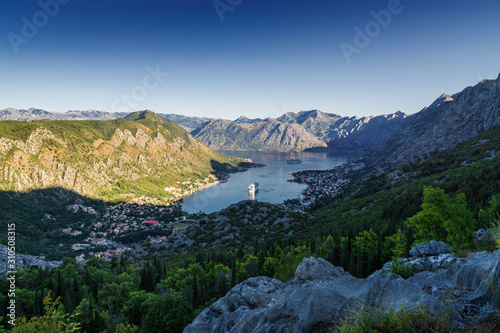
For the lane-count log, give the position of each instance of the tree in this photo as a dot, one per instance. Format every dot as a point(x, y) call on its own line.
point(428, 223)
point(395, 245)
point(443, 218)
point(365, 248)
point(327, 249)
point(166, 313)
point(54, 320)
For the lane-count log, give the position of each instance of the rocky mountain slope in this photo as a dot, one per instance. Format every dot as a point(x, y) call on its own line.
point(451, 119)
point(321, 293)
point(300, 131)
point(268, 134)
point(347, 133)
point(140, 154)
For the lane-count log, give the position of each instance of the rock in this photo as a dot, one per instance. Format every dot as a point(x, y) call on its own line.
point(432, 248)
point(23, 261)
point(316, 268)
point(321, 292)
point(485, 235)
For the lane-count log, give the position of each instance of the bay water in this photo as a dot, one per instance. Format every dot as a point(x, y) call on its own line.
point(272, 179)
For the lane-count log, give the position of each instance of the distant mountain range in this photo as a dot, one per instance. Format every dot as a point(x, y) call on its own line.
point(188, 123)
point(391, 139)
point(38, 114)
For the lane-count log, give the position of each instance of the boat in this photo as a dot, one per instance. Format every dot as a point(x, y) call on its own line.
point(253, 188)
point(292, 161)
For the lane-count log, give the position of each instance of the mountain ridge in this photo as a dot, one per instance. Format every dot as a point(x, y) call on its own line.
point(388, 140)
point(102, 158)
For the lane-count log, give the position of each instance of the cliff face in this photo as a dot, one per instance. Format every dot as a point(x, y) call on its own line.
point(321, 293)
point(300, 131)
point(268, 134)
point(91, 157)
point(451, 119)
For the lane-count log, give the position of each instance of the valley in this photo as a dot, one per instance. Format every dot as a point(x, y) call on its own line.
point(117, 193)
point(250, 166)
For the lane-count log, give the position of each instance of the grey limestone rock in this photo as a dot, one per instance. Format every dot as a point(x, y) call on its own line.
point(321, 293)
point(432, 248)
point(316, 268)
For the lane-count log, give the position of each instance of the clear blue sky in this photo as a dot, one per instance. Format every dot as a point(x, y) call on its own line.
point(264, 58)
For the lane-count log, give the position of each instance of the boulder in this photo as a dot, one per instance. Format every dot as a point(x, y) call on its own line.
point(321, 293)
point(485, 234)
point(316, 268)
point(432, 248)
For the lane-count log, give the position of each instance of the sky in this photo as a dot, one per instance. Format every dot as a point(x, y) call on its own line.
point(258, 58)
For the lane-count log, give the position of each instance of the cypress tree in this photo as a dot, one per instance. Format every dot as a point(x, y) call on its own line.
point(233, 273)
point(359, 263)
point(351, 263)
point(195, 290)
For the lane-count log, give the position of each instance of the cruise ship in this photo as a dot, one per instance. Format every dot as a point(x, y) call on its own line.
point(253, 188)
point(291, 161)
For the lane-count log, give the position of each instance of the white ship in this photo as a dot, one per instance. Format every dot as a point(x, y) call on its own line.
point(253, 188)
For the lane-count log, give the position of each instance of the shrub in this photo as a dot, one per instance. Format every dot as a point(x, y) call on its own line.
point(402, 268)
point(54, 320)
point(372, 319)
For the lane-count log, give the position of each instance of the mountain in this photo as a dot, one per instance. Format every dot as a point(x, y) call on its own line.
point(37, 114)
point(268, 134)
point(188, 123)
point(451, 119)
point(140, 154)
point(347, 133)
point(300, 131)
point(392, 139)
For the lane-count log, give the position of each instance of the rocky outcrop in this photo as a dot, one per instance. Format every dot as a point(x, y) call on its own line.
point(432, 248)
point(23, 261)
point(321, 293)
point(316, 268)
point(418, 264)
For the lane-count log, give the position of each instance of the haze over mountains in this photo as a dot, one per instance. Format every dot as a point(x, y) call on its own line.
point(393, 139)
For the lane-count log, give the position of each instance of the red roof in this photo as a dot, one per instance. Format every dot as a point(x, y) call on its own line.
point(151, 222)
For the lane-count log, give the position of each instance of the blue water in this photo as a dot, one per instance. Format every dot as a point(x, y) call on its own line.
point(272, 178)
